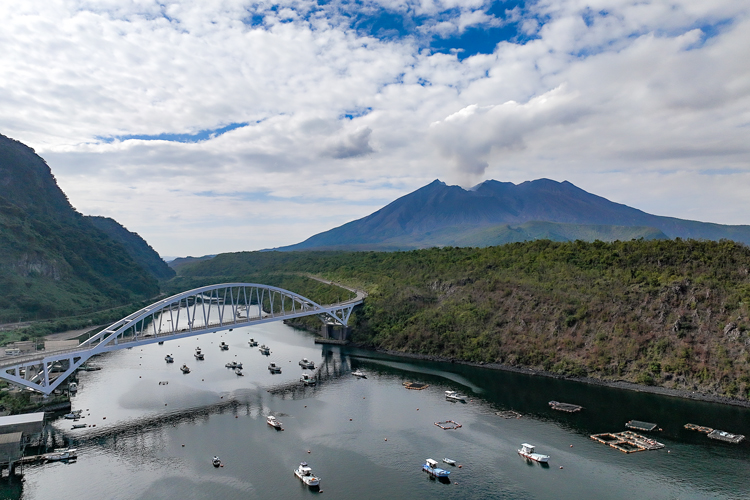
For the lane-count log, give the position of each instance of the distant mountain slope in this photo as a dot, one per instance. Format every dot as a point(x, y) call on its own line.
point(498, 212)
point(137, 247)
point(181, 261)
point(53, 261)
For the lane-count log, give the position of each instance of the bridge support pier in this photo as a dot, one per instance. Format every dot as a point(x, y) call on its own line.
point(335, 331)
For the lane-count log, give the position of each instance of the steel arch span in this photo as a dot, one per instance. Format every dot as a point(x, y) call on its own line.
point(196, 312)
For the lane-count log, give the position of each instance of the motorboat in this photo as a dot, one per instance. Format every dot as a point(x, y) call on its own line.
point(274, 368)
point(72, 387)
point(449, 461)
point(238, 371)
point(61, 455)
point(238, 365)
point(168, 358)
point(359, 373)
point(527, 451)
point(455, 396)
point(252, 343)
point(264, 349)
point(305, 473)
point(185, 369)
point(199, 355)
point(216, 461)
point(197, 349)
point(231, 364)
point(271, 420)
point(431, 467)
point(78, 426)
point(73, 415)
point(306, 363)
point(307, 379)
point(224, 346)
point(161, 342)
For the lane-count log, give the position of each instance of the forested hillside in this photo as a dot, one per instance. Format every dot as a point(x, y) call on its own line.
point(666, 312)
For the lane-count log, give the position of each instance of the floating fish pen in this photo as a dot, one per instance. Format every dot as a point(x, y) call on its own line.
point(448, 425)
point(698, 428)
point(417, 386)
point(726, 436)
point(508, 414)
point(640, 426)
point(627, 441)
point(567, 407)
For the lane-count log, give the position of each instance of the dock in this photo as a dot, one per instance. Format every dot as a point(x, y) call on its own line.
point(627, 441)
point(726, 436)
point(566, 407)
point(640, 426)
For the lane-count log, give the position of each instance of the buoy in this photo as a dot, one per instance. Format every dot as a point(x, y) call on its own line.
point(305, 406)
point(571, 445)
point(459, 466)
point(183, 445)
point(561, 466)
point(350, 420)
point(104, 418)
point(165, 404)
point(386, 439)
point(236, 416)
point(417, 409)
point(308, 451)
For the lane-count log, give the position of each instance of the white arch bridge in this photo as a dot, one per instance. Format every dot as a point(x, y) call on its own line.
point(203, 310)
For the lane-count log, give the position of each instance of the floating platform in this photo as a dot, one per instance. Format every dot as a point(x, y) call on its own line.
point(726, 436)
point(567, 407)
point(508, 414)
point(627, 441)
point(699, 428)
point(640, 426)
point(448, 425)
point(417, 386)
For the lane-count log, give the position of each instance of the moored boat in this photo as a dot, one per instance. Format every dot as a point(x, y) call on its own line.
point(455, 396)
point(274, 368)
point(305, 473)
point(449, 461)
point(238, 372)
point(271, 420)
point(73, 415)
point(264, 349)
point(185, 369)
point(306, 363)
point(359, 373)
point(307, 379)
point(168, 358)
point(216, 461)
point(527, 451)
point(231, 364)
point(61, 455)
point(78, 426)
point(430, 466)
point(224, 346)
point(199, 355)
point(72, 387)
point(252, 343)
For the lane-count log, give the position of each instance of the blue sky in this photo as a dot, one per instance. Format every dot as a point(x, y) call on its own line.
point(239, 125)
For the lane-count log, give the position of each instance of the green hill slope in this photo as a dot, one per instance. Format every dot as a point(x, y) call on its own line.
point(53, 261)
point(674, 313)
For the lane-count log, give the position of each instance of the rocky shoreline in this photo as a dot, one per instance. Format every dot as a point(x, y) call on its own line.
point(619, 384)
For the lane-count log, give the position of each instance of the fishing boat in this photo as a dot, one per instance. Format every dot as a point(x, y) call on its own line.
point(161, 342)
point(271, 420)
point(185, 369)
point(78, 426)
point(527, 451)
point(224, 346)
point(168, 358)
point(274, 368)
point(455, 396)
point(431, 467)
point(264, 349)
point(199, 355)
point(72, 387)
point(231, 364)
point(307, 379)
point(359, 373)
point(449, 461)
point(252, 343)
point(73, 415)
point(61, 455)
point(306, 363)
point(305, 473)
point(238, 372)
point(216, 461)
point(238, 365)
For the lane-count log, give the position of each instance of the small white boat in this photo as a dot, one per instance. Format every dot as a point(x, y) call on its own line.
point(224, 346)
point(216, 462)
point(449, 461)
point(252, 343)
point(274, 368)
point(271, 420)
point(455, 396)
point(231, 364)
point(238, 365)
point(168, 358)
point(527, 451)
point(238, 372)
point(61, 455)
point(72, 387)
point(430, 466)
point(185, 369)
point(307, 379)
point(73, 415)
point(199, 355)
point(264, 349)
point(306, 363)
point(305, 473)
point(78, 426)
point(359, 373)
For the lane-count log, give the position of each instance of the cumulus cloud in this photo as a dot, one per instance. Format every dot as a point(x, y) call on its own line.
point(343, 117)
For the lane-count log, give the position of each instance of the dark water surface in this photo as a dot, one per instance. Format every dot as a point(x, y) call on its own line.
point(367, 438)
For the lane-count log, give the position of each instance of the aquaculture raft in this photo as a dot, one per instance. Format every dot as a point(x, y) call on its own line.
point(726, 436)
point(699, 428)
point(508, 414)
point(640, 426)
point(448, 424)
point(417, 386)
point(627, 441)
point(567, 407)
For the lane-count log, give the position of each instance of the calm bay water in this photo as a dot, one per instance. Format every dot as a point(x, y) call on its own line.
point(366, 438)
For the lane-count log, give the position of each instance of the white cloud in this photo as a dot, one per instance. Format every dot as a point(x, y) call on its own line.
point(643, 102)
